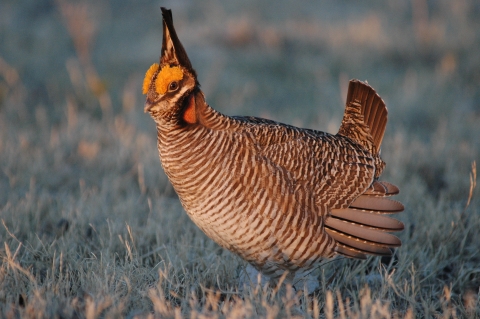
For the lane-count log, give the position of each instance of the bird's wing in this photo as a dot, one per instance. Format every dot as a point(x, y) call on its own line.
point(334, 169)
point(362, 228)
point(331, 177)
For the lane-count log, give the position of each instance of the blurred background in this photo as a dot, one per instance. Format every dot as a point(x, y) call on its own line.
point(86, 207)
point(71, 109)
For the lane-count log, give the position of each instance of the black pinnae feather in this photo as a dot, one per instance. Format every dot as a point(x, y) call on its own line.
point(172, 48)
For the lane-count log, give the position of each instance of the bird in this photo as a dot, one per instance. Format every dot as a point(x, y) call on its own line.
point(283, 198)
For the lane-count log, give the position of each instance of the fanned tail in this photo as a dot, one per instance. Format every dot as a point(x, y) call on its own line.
point(365, 117)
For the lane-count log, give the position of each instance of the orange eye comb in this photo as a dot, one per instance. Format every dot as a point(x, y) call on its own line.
point(166, 75)
point(148, 77)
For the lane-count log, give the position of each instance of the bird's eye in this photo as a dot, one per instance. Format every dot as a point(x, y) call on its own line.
point(173, 86)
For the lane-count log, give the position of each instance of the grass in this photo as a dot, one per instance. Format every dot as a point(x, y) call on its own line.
point(92, 228)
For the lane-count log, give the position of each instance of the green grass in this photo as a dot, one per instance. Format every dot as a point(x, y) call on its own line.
point(92, 228)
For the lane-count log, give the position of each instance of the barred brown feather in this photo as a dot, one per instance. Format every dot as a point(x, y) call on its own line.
point(281, 197)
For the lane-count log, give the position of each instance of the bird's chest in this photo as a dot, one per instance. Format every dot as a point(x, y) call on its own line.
point(200, 167)
point(204, 174)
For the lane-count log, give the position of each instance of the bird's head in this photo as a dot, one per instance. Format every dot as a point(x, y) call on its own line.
point(172, 84)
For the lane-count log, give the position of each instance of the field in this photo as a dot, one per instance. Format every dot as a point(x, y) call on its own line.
point(91, 227)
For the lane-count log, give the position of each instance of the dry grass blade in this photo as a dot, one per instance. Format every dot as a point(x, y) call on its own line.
point(473, 183)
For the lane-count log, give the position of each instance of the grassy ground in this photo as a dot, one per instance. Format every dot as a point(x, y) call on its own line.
point(92, 228)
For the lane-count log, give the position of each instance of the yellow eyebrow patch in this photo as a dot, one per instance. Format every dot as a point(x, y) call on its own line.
point(166, 75)
point(148, 77)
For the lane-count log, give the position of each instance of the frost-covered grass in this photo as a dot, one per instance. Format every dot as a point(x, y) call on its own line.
point(92, 228)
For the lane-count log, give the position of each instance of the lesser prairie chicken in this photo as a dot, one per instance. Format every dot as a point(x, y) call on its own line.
point(283, 198)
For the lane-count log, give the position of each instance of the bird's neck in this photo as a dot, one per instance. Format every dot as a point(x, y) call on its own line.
point(196, 116)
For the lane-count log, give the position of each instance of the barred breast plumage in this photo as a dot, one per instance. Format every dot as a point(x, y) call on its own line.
point(281, 197)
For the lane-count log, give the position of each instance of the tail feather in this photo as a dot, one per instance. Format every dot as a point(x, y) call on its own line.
point(375, 116)
point(365, 117)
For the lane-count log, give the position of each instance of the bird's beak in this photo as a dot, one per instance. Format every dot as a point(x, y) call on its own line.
point(148, 106)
